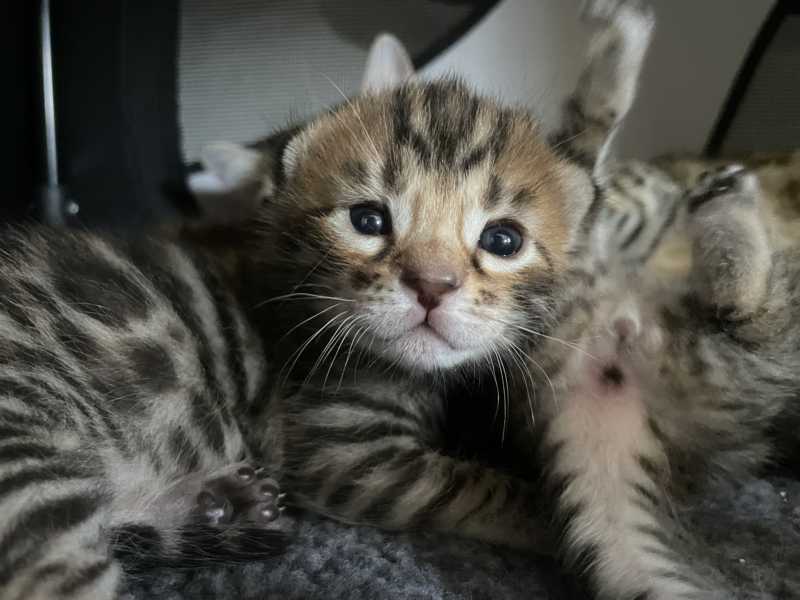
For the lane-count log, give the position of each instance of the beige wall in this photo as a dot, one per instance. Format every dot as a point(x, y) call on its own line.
point(529, 51)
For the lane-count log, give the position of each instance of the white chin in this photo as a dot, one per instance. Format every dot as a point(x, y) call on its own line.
point(422, 349)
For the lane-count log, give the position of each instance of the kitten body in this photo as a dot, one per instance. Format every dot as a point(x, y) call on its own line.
point(662, 386)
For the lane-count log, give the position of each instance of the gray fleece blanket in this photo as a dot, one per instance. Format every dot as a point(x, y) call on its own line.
point(750, 534)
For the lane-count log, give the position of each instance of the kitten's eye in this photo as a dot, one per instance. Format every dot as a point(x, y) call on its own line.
point(370, 219)
point(501, 239)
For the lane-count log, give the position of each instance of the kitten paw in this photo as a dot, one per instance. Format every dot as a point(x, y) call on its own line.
point(732, 182)
point(241, 493)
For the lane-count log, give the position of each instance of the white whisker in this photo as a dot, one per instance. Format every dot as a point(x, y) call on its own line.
point(302, 296)
point(297, 353)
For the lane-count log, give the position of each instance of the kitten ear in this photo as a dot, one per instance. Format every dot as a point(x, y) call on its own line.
point(232, 184)
point(232, 164)
point(388, 65)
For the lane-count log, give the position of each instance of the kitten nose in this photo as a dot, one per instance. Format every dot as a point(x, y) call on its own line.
point(431, 284)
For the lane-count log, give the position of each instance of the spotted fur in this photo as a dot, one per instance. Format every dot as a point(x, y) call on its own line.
point(663, 386)
point(125, 370)
point(646, 209)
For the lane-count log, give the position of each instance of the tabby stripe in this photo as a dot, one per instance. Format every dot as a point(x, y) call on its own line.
point(660, 551)
point(44, 473)
point(655, 533)
point(7, 431)
point(404, 133)
point(390, 170)
point(501, 133)
point(74, 400)
point(359, 433)
point(392, 454)
point(206, 418)
point(38, 526)
point(457, 480)
point(666, 225)
point(15, 309)
point(378, 407)
point(480, 507)
point(183, 450)
point(34, 398)
point(204, 351)
point(674, 575)
point(342, 494)
point(84, 577)
point(227, 323)
point(441, 128)
point(622, 220)
point(176, 292)
point(566, 514)
point(633, 235)
point(385, 499)
point(649, 467)
point(12, 417)
point(584, 559)
point(80, 394)
point(590, 217)
point(475, 157)
point(42, 576)
point(21, 450)
point(545, 254)
point(650, 496)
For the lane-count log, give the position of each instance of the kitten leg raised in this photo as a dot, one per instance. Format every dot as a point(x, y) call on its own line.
point(607, 85)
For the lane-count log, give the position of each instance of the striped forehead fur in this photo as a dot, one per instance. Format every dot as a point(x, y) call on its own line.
point(377, 144)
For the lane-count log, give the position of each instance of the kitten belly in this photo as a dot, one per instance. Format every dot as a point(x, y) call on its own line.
point(605, 399)
point(609, 457)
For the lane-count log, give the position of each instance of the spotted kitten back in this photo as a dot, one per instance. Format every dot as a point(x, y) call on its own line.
point(125, 372)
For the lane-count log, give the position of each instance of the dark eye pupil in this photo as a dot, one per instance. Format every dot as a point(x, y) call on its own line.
point(501, 240)
point(369, 220)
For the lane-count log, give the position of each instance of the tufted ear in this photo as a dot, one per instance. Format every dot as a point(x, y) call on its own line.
point(388, 65)
point(233, 183)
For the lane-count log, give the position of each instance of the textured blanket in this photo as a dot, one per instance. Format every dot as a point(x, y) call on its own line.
point(750, 534)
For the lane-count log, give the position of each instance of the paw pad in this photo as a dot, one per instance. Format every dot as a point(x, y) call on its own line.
point(239, 493)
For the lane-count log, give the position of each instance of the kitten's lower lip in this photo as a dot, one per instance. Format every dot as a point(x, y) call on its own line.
point(427, 327)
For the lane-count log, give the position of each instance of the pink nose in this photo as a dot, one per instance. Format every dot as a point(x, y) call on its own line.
point(430, 284)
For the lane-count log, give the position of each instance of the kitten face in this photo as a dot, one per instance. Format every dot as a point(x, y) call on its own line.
point(438, 220)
